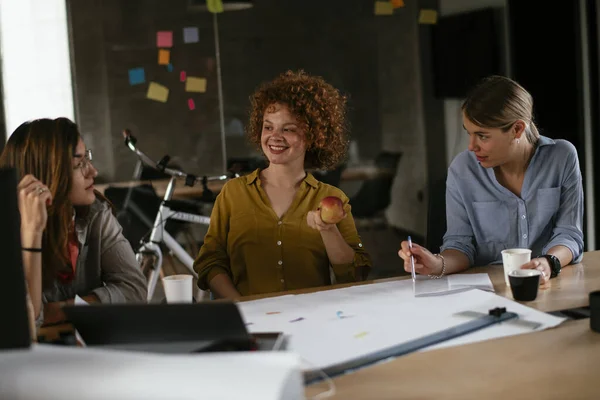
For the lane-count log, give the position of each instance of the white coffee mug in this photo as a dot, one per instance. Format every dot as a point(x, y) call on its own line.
point(513, 259)
point(178, 288)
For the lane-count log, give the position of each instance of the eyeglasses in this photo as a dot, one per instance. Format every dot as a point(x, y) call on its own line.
point(86, 162)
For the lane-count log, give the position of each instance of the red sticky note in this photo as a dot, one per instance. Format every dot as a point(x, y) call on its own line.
point(182, 76)
point(164, 39)
point(191, 104)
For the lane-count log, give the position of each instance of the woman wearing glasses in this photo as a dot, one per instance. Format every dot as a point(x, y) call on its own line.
point(72, 243)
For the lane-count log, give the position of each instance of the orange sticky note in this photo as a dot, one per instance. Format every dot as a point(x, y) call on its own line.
point(164, 57)
point(383, 8)
point(428, 17)
point(157, 92)
point(397, 3)
point(195, 84)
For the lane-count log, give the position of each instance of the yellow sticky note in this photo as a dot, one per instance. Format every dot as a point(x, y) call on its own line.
point(157, 92)
point(214, 6)
point(428, 17)
point(194, 84)
point(397, 3)
point(164, 57)
point(383, 8)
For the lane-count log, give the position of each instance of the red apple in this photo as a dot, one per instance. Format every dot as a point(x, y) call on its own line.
point(332, 210)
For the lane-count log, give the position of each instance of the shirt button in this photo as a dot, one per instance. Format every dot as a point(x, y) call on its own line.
point(523, 216)
point(525, 236)
point(279, 222)
point(279, 243)
point(280, 262)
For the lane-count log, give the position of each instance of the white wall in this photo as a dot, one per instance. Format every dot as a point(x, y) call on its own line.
point(36, 71)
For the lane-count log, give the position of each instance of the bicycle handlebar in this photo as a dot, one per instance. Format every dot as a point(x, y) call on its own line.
point(190, 180)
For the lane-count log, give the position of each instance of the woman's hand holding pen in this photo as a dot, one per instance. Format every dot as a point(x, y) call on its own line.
point(425, 262)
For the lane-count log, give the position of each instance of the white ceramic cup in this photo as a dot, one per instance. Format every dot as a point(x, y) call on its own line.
point(513, 259)
point(178, 288)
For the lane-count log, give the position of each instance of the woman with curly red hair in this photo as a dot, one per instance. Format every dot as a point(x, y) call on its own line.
point(266, 233)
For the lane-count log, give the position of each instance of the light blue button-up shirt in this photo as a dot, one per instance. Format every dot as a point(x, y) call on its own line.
point(484, 217)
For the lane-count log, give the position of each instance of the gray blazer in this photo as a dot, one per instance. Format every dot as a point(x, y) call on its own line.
point(106, 265)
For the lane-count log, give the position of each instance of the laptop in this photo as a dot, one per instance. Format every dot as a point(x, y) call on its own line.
point(13, 305)
point(162, 328)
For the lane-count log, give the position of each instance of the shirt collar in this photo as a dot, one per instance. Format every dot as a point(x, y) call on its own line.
point(544, 141)
point(309, 179)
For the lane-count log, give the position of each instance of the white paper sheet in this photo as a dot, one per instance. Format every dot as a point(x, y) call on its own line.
point(330, 327)
point(60, 372)
point(425, 286)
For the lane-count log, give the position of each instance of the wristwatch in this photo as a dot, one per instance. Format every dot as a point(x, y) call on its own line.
point(554, 264)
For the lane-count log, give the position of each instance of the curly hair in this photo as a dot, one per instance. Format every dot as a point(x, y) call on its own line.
point(320, 109)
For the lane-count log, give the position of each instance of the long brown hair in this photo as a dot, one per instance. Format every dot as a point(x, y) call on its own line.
point(44, 148)
point(498, 102)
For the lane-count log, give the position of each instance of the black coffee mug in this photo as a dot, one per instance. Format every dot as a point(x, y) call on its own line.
point(595, 311)
point(524, 283)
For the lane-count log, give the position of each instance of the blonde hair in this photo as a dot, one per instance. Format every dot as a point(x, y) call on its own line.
point(498, 102)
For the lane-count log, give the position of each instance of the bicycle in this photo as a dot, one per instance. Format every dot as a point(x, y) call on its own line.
point(149, 255)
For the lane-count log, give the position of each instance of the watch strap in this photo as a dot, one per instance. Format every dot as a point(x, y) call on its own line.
point(554, 264)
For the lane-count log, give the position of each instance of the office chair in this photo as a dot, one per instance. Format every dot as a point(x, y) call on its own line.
point(332, 177)
point(375, 194)
point(436, 215)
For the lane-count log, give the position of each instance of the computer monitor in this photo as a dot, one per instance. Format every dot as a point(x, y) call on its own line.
point(14, 332)
point(162, 328)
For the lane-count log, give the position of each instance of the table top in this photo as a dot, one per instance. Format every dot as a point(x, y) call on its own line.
point(557, 363)
point(568, 290)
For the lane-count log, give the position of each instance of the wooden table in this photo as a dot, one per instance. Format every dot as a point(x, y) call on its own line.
point(558, 363)
point(355, 173)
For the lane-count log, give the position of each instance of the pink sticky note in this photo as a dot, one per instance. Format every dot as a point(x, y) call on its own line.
point(191, 104)
point(164, 39)
point(182, 76)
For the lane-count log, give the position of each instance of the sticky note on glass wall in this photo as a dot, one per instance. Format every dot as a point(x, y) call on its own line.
point(383, 8)
point(157, 92)
point(428, 17)
point(164, 57)
point(190, 35)
point(214, 6)
point(164, 39)
point(136, 76)
point(191, 104)
point(397, 3)
point(195, 84)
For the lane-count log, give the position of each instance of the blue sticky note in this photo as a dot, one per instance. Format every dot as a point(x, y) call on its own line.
point(190, 35)
point(136, 76)
point(170, 67)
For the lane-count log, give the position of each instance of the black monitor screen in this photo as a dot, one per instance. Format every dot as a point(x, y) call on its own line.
point(15, 325)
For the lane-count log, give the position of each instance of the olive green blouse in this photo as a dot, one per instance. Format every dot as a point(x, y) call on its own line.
point(262, 253)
